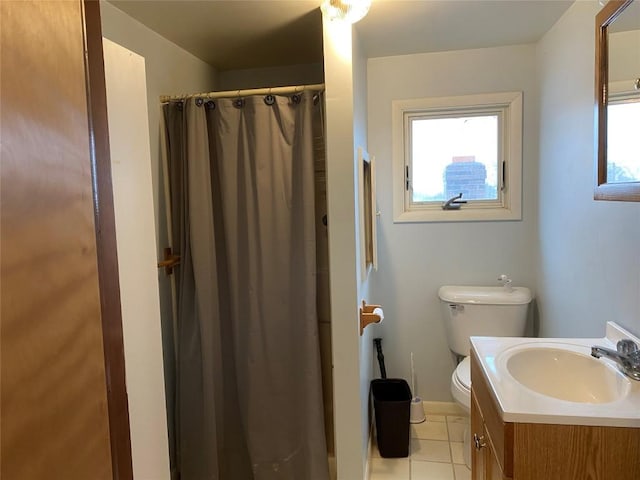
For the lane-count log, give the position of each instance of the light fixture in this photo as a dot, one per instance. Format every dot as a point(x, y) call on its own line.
point(347, 10)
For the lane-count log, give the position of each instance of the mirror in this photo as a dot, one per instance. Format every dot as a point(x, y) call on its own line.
point(618, 101)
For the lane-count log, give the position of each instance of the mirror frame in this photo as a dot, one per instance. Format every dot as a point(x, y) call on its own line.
point(368, 213)
point(629, 191)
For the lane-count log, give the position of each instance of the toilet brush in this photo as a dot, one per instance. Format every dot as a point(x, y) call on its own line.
point(417, 408)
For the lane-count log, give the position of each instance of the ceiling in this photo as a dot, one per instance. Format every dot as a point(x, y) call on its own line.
point(237, 34)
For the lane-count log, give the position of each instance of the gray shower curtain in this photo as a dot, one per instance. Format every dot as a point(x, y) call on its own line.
point(248, 402)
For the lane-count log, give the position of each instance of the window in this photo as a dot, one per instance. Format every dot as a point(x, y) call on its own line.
point(444, 147)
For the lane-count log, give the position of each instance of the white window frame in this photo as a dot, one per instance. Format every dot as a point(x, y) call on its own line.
point(508, 106)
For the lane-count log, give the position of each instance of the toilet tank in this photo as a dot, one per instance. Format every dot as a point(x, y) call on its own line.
point(482, 311)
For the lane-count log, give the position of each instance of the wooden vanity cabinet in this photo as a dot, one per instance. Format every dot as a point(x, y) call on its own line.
point(534, 451)
point(491, 438)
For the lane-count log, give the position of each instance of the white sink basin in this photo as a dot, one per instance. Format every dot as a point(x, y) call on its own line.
point(557, 381)
point(558, 371)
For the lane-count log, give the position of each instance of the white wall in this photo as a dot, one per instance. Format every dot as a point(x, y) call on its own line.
point(589, 259)
point(416, 259)
point(303, 74)
point(170, 70)
point(359, 63)
point(350, 439)
point(624, 56)
point(135, 234)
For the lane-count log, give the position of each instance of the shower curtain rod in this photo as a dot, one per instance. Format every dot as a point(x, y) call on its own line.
point(244, 93)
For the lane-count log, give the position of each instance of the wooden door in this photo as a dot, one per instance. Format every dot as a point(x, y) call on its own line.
point(55, 285)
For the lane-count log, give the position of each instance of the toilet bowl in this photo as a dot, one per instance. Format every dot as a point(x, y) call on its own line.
point(461, 384)
point(461, 392)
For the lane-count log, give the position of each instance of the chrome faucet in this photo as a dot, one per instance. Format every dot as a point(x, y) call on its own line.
point(626, 356)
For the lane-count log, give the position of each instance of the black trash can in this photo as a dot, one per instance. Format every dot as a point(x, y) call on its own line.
point(392, 405)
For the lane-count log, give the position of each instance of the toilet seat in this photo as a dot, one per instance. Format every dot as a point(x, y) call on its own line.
point(461, 383)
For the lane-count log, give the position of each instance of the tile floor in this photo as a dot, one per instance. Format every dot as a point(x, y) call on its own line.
point(435, 452)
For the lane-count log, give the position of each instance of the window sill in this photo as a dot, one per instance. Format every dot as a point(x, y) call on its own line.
point(462, 215)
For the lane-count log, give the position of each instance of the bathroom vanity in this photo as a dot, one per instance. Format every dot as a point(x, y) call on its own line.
point(584, 426)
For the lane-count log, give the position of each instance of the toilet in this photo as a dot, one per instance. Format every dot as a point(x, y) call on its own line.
point(479, 311)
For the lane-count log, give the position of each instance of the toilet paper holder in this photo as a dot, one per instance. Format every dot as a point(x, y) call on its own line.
point(370, 314)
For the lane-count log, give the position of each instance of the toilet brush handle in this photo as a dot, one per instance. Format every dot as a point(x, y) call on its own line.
point(378, 344)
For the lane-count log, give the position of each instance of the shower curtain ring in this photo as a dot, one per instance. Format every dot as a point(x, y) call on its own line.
point(269, 99)
point(238, 102)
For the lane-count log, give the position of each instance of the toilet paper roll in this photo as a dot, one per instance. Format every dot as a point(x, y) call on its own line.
point(378, 311)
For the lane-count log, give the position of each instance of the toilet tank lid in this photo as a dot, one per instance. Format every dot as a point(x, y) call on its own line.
point(485, 295)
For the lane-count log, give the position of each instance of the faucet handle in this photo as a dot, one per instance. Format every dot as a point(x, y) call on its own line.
point(626, 347)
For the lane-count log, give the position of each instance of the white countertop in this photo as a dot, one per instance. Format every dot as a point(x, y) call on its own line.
point(520, 404)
